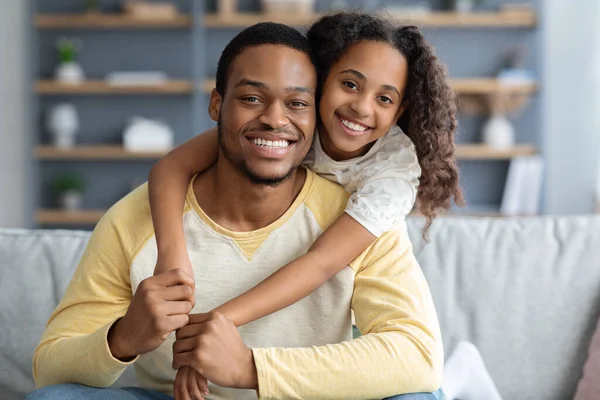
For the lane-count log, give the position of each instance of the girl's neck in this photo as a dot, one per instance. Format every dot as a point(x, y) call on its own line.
point(337, 154)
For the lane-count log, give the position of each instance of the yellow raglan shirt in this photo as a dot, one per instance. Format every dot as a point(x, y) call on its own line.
point(304, 351)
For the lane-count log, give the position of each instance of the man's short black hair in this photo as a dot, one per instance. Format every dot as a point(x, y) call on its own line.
point(256, 35)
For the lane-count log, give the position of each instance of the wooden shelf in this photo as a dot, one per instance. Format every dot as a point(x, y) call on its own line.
point(483, 152)
point(91, 153)
point(479, 86)
point(102, 87)
point(108, 21)
point(463, 86)
point(62, 217)
point(515, 19)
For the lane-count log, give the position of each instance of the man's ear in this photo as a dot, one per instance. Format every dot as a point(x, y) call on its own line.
point(214, 106)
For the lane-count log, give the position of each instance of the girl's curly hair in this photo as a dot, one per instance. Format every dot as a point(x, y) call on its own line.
point(430, 116)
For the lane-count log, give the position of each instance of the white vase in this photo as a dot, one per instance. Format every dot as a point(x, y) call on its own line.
point(70, 200)
point(70, 72)
point(63, 124)
point(463, 6)
point(63, 141)
point(498, 132)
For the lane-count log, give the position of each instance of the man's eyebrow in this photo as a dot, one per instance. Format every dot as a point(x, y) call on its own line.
point(361, 76)
point(303, 89)
point(250, 82)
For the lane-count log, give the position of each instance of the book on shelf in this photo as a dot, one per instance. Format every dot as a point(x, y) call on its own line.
point(522, 193)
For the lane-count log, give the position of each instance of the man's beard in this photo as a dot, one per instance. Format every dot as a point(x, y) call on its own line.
point(240, 163)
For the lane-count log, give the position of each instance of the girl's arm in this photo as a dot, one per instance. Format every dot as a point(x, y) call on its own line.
point(341, 243)
point(168, 186)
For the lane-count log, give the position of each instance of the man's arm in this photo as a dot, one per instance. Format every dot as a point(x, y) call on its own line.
point(400, 350)
point(74, 347)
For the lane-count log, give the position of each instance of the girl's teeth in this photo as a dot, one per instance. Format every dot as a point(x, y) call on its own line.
point(271, 143)
point(353, 126)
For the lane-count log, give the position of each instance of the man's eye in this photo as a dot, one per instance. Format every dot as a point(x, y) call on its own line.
point(350, 85)
point(251, 99)
point(298, 104)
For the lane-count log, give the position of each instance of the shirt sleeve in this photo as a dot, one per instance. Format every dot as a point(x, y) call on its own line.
point(400, 350)
point(74, 346)
point(385, 189)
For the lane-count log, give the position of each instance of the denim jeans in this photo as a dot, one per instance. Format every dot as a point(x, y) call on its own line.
point(71, 391)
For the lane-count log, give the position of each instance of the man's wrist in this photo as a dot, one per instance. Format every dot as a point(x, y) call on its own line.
point(249, 376)
point(117, 343)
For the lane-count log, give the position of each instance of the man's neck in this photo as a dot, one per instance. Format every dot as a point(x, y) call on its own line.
point(230, 199)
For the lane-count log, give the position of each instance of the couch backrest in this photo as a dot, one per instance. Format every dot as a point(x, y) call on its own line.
point(525, 291)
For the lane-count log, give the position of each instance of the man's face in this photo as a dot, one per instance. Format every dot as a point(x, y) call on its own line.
point(267, 117)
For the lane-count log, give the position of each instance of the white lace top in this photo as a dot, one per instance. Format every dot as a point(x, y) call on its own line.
point(382, 183)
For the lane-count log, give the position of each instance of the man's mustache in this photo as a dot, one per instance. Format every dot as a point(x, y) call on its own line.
point(287, 132)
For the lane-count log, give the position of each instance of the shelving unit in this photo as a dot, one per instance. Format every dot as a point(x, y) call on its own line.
point(95, 153)
point(521, 19)
point(49, 87)
point(184, 96)
point(60, 217)
point(108, 21)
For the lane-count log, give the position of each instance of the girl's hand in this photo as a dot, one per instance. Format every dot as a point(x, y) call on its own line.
point(189, 385)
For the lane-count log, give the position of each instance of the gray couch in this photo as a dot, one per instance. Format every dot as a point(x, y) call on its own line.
point(525, 291)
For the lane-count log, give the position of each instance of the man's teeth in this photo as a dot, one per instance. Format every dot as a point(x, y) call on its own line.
point(271, 143)
point(353, 126)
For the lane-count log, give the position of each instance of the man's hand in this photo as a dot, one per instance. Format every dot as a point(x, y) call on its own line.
point(190, 385)
point(160, 305)
point(212, 345)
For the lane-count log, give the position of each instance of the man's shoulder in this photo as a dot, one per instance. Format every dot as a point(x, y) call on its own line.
point(130, 219)
point(326, 200)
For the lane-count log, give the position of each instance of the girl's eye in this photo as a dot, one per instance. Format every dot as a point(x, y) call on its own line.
point(386, 99)
point(350, 85)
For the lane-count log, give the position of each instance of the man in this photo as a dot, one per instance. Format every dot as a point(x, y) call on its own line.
point(251, 213)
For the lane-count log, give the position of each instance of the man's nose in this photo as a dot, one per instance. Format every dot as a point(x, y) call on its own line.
point(274, 116)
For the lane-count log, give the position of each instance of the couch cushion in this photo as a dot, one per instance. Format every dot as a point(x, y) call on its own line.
point(526, 291)
point(35, 269)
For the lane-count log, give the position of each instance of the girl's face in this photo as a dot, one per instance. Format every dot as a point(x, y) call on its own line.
point(361, 98)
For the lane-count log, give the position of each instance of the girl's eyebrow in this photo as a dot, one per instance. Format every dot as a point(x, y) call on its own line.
point(359, 75)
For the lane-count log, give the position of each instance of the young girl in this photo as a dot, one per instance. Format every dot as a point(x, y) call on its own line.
point(387, 123)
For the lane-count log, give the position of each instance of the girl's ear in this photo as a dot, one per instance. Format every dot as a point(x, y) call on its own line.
point(214, 106)
point(399, 113)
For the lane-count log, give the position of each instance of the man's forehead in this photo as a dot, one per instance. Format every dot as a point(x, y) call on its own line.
point(265, 62)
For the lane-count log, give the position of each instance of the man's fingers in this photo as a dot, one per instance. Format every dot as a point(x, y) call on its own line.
point(184, 345)
point(174, 277)
point(200, 318)
point(180, 387)
point(177, 293)
point(175, 308)
point(190, 330)
point(185, 359)
point(193, 387)
point(175, 322)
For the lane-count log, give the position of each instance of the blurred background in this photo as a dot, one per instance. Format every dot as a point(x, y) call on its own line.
point(92, 93)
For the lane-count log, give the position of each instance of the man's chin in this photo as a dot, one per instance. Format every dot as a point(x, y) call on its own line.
point(269, 178)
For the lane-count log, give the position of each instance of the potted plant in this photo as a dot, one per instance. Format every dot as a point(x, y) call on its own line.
point(69, 189)
point(68, 70)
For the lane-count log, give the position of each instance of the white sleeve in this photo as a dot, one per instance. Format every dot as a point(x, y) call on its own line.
point(386, 191)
